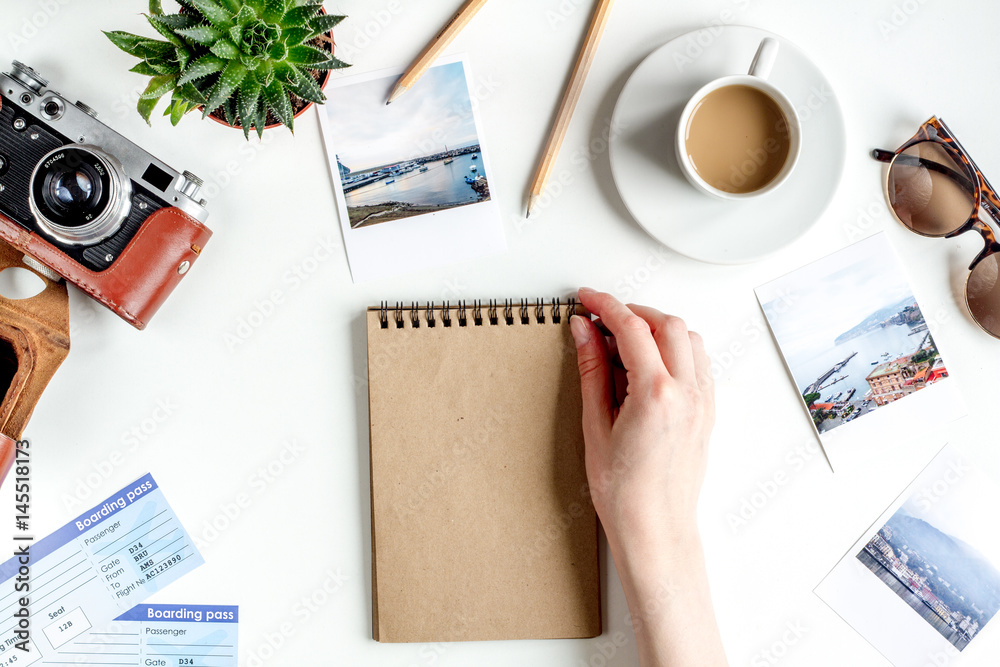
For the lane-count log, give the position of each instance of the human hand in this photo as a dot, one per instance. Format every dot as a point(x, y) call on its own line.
point(648, 410)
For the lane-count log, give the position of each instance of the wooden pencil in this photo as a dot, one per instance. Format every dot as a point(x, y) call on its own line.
point(436, 46)
point(568, 104)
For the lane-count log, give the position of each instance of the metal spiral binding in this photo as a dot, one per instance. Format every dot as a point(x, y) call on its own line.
point(493, 312)
point(540, 311)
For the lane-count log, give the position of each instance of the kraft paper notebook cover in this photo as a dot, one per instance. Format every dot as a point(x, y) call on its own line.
point(482, 525)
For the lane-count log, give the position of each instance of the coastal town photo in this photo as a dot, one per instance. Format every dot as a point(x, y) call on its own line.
point(419, 155)
point(852, 333)
point(936, 555)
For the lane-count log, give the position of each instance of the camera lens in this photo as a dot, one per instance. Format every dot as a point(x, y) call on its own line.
point(73, 191)
point(79, 195)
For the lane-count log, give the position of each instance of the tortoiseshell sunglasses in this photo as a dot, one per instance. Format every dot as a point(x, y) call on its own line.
point(935, 189)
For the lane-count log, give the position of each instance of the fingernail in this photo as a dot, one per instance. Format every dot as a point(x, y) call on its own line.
point(587, 290)
point(580, 331)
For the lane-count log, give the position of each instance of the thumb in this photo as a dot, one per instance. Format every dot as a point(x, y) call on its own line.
point(596, 380)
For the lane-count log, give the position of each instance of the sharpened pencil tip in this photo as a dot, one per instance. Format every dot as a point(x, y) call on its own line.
point(394, 95)
point(532, 205)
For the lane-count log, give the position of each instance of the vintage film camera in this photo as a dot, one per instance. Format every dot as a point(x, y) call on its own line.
point(85, 203)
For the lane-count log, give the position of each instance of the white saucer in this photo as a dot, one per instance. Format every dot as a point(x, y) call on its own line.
point(656, 192)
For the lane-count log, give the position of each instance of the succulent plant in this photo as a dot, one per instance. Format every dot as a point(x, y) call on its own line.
point(247, 58)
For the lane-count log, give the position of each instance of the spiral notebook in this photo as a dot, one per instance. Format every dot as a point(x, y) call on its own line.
point(482, 525)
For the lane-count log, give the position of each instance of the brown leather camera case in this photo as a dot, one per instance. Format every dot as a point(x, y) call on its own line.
point(34, 340)
point(142, 277)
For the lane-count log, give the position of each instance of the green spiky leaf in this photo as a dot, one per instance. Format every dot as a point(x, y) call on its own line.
point(231, 77)
point(175, 21)
point(245, 16)
point(299, 16)
point(295, 36)
point(133, 45)
point(273, 10)
point(199, 69)
point(260, 118)
point(164, 29)
point(331, 63)
point(278, 103)
point(183, 56)
point(324, 23)
point(190, 94)
point(144, 68)
point(264, 74)
point(278, 52)
point(145, 108)
point(163, 66)
point(217, 15)
point(205, 35)
point(179, 109)
point(305, 86)
point(246, 103)
point(155, 8)
point(225, 49)
point(303, 54)
point(159, 86)
point(229, 111)
point(232, 5)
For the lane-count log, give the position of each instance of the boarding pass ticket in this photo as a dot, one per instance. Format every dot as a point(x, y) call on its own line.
point(91, 570)
point(158, 635)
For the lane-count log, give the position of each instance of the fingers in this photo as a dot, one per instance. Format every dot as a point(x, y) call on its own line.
point(596, 378)
point(673, 340)
point(702, 364)
point(636, 346)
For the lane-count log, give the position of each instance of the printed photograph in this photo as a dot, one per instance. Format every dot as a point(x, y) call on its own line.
point(939, 554)
point(419, 155)
point(852, 333)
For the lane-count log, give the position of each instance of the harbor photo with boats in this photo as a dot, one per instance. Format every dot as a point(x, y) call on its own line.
point(852, 334)
point(419, 155)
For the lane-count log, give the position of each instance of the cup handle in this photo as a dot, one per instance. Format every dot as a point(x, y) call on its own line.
point(764, 59)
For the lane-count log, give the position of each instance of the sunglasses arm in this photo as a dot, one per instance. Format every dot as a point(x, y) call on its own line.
point(882, 155)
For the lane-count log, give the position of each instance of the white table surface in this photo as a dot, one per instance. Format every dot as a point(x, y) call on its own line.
point(296, 556)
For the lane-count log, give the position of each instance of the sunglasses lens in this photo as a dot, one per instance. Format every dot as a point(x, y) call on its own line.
point(929, 192)
point(983, 294)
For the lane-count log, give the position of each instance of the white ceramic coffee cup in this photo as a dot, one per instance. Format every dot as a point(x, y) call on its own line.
point(760, 69)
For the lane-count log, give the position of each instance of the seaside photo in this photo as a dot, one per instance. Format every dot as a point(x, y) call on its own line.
point(852, 334)
point(419, 155)
point(930, 572)
point(412, 179)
